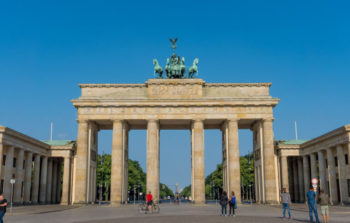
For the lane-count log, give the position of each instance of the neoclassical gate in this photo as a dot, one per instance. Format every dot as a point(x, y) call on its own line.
point(175, 104)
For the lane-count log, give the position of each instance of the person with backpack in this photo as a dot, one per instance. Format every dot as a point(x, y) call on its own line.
point(233, 204)
point(223, 203)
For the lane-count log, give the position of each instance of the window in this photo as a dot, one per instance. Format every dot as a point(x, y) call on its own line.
point(336, 161)
point(14, 162)
point(326, 161)
point(346, 159)
point(3, 160)
point(348, 187)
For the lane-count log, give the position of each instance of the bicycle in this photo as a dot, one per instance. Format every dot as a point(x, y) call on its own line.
point(143, 208)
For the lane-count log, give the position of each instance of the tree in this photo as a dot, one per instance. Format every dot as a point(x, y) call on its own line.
point(214, 183)
point(136, 177)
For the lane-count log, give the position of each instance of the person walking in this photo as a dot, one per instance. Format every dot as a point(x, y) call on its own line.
point(324, 201)
point(311, 201)
point(286, 202)
point(233, 204)
point(223, 203)
point(3, 205)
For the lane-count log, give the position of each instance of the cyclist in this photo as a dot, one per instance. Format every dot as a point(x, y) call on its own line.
point(149, 201)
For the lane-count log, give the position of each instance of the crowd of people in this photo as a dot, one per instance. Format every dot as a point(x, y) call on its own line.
point(311, 202)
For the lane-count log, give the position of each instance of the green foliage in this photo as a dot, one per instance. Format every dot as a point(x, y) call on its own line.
point(186, 192)
point(214, 183)
point(136, 176)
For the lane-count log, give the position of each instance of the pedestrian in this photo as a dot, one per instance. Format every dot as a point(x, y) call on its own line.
point(311, 201)
point(324, 200)
point(286, 202)
point(223, 203)
point(3, 205)
point(233, 204)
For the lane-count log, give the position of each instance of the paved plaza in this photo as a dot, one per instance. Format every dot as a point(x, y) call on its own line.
point(169, 213)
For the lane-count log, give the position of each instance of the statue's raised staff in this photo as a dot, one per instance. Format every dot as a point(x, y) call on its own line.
point(193, 69)
point(157, 69)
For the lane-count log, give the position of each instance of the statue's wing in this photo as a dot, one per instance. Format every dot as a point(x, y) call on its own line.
point(175, 39)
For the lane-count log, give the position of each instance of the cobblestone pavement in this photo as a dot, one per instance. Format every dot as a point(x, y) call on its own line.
point(169, 213)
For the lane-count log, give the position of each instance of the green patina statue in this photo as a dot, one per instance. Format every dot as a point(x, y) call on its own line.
point(175, 67)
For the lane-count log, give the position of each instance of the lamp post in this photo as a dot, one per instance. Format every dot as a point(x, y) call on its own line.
point(12, 182)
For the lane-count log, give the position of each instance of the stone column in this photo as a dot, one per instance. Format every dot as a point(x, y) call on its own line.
point(54, 182)
point(332, 177)
point(66, 181)
point(342, 175)
point(43, 180)
point(58, 194)
point(80, 175)
point(313, 165)
point(284, 170)
point(198, 167)
point(117, 162)
point(233, 164)
point(295, 180)
point(307, 179)
point(28, 177)
point(17, 196)
point(301, 180)
point(35, 188)
point(270, 165)
point(1, 154)
point(152, 183)
point(8, 172)
point(49, 181)
point(322, 171)
point(126, 166)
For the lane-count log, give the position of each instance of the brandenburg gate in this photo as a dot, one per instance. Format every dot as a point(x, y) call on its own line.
point(175, 102)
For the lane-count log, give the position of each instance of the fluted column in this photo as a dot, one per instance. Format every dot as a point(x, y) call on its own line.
point(342, 175)
point(322, 171)
point(307, 179)
point(54, 182)
point(285, 175)
point(233, 163)
point(270, 163)
point(301, 180)
point(36, 179)
point(49, 181)
point(295, 180)
point(28, 177)
point(80, 175)
point(313, 165)
point(19, 177)
point(8, 171)
point(43, 180)
point(1, 155)
point(332, 177)
point(66, 181)
point(117, 163)
point(58, 193)
point(198, 156)
point(152, 183)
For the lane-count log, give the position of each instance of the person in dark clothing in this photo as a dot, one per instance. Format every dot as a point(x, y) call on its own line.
point(223, 203)
point(233, 204)
point(3, 205)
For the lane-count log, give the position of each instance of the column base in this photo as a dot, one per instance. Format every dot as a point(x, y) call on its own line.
point(115, 204)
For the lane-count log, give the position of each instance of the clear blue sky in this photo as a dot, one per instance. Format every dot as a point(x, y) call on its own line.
point(47, 48)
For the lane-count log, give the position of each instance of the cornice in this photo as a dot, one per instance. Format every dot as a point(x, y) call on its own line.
point(112, 85)
point(342, 130)
point(237, 85)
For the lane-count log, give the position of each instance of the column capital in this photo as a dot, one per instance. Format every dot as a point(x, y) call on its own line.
point(270, 119)
point(152, 120)
point(233, 120)
point(82, 121)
